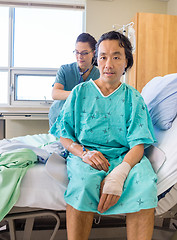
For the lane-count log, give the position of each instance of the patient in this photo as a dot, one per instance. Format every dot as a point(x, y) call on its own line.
point(105, 126)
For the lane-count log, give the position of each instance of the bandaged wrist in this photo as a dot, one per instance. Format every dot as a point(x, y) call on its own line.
point(114, 181)
point(88, 153)
point(71, 146)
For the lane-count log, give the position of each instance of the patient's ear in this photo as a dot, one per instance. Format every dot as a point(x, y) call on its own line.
point(126, 63)
point(94, 60)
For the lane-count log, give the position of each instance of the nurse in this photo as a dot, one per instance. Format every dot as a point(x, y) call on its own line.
point(69, 75)
point(105, 125)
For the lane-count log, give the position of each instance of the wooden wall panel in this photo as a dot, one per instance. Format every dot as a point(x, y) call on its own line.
point(156, 52)
point(172, 44)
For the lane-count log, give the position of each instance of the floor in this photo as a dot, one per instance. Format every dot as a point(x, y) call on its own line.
point(109, 229)
point(96, 234)
point(108, 234)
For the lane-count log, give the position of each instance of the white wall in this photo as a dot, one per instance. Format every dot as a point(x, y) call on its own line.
point(172, 7)
point(101, 15)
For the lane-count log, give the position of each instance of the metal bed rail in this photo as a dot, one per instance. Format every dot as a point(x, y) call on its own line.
point(29, 222)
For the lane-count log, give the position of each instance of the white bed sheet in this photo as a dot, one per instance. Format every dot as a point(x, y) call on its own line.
point(40, 190)
point(44, 185)
point(167, 142)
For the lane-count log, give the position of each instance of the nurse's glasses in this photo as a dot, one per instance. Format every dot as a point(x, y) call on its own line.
point(83, 54)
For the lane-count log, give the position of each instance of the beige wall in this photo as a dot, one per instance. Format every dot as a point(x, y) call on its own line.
point(15, 128)
point(172, 7)
point(101, 15)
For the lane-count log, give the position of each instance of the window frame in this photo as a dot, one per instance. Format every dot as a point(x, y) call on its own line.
point(15, 71)
point(29, 72)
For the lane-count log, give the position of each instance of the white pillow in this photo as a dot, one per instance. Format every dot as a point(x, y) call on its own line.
point(160, 96)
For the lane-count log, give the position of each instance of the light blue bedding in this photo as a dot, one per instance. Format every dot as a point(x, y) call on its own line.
point(160, 96)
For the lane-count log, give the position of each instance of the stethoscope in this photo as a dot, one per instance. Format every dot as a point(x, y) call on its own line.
point(82, 73)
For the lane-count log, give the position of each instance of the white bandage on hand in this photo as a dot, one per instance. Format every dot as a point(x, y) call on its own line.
point(114, 181)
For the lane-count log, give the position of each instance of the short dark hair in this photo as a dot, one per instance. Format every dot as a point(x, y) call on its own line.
point(123, 42)
point(86, 37)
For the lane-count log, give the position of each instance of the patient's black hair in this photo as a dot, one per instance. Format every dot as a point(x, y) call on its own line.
point(123, 42)
point(86, 37)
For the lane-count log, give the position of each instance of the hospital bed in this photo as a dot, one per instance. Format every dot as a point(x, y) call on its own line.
point(41, 206)
point(43, 187)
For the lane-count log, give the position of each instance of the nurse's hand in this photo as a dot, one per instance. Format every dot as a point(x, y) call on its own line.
point(96, 160)
point(106, 200)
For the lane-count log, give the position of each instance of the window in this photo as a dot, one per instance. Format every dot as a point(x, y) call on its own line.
point(4, 26)
point(4, 23)
point(4, 87)
point(34, 43)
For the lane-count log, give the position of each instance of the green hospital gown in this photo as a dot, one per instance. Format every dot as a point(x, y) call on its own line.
point(111, 124)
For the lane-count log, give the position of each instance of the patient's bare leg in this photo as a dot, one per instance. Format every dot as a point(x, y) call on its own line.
point(78, 223)
point(140, 225)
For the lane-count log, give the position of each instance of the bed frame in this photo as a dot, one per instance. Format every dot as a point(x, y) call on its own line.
point(34, 223)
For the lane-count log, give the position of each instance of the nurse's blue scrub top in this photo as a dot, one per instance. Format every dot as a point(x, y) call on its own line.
point(68, 75)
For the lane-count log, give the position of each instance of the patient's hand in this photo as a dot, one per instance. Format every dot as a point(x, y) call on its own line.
point(106, 200)
point(96, 160)
point(112, 186)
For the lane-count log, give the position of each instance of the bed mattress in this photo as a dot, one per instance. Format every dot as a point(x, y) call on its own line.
point(40, 190)
point(44, 184)
point(167, 142)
